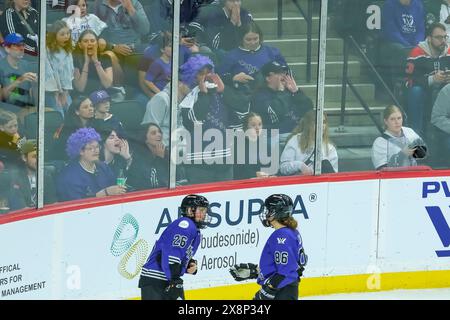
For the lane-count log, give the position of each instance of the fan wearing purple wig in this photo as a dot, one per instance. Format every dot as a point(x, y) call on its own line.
point(85, 176)
point(204, 110)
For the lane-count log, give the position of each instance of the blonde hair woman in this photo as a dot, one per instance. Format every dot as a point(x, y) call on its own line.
point(399, 146)
point(298, 155)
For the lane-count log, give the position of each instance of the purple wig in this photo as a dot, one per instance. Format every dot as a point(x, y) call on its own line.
point(190, 69)
point(79, 139)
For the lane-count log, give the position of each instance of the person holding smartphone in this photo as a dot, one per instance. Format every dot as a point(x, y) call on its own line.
point(428, 70)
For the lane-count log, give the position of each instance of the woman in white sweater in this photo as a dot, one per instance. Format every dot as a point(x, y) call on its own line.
point(298, 154)
point(398, 146)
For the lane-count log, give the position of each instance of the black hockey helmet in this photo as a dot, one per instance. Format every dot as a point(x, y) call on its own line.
point(194, 201)
point(278, 206)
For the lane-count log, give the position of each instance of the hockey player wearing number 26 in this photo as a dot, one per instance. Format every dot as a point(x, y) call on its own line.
point(283, 259)
point(172, 254)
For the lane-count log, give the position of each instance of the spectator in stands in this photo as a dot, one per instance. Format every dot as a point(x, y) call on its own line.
point(21, 18)
point(298, 155)
point(102, 103)
point(204, 109)
point(115, 149)
point(222, 23)
point(440, 118)
point(79, 115)
point(17, 79)
point(161, 18)
point(188, 46)
point(158, 110)
point(85, 176)
point(127, 24)
point(399, 146)
point(241, 64)
point(81, 20)
point(248, 154)
point(280, 102)
point(428, 70)
point(150, 167)
point(91, 70)
point(59, 71)
point(402, 28)
point(159, 72)
point(9, 139)
point(23, 180)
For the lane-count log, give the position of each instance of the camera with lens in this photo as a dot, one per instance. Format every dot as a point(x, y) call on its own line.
point(421, 149)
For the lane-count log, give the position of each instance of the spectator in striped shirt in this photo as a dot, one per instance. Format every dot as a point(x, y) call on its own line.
point(20, 17)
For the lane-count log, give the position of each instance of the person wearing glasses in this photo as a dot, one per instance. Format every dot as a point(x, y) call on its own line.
point(86, 176)
point(428, 70)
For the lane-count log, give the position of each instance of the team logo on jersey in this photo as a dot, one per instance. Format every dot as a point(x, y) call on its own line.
point(183, 224)
point(281, 240)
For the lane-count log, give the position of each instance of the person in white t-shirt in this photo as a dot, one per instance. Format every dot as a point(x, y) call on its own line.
point(399, 146)
point(81, 20)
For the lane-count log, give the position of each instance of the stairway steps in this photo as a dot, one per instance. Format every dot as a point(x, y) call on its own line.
point(294, 47)
point(333, 69)
point(333, 91)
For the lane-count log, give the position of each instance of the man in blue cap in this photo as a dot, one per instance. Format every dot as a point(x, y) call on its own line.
point(16, 75)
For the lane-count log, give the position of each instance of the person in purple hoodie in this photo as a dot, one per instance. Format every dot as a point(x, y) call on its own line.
point(402, 28)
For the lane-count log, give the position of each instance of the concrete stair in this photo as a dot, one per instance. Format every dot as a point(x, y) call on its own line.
point(333, 69)
point(267, 7)
point(294, 46)
point(333, 91)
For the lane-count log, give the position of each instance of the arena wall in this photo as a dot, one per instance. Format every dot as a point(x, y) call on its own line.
point(362, 232)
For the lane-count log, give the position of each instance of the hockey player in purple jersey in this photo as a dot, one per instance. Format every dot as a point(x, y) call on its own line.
point(283, 259)
point(172, 254)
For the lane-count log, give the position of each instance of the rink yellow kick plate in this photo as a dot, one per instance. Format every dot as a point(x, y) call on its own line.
point(336, 284)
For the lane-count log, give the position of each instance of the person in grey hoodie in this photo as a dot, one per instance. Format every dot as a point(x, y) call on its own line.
point(427, 71)
point(127, 24)
point(440, 119)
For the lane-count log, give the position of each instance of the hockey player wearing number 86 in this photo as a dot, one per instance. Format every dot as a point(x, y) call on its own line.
point(283, 258)
point(172, 254)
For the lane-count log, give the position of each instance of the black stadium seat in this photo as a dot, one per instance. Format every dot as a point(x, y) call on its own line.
point(53, 120)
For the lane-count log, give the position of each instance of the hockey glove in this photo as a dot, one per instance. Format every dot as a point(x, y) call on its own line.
point(175, 289)
point(244, 271)
point(266, 293)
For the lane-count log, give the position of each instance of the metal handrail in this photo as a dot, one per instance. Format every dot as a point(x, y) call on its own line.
point(308, 18)
point(346, 81)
